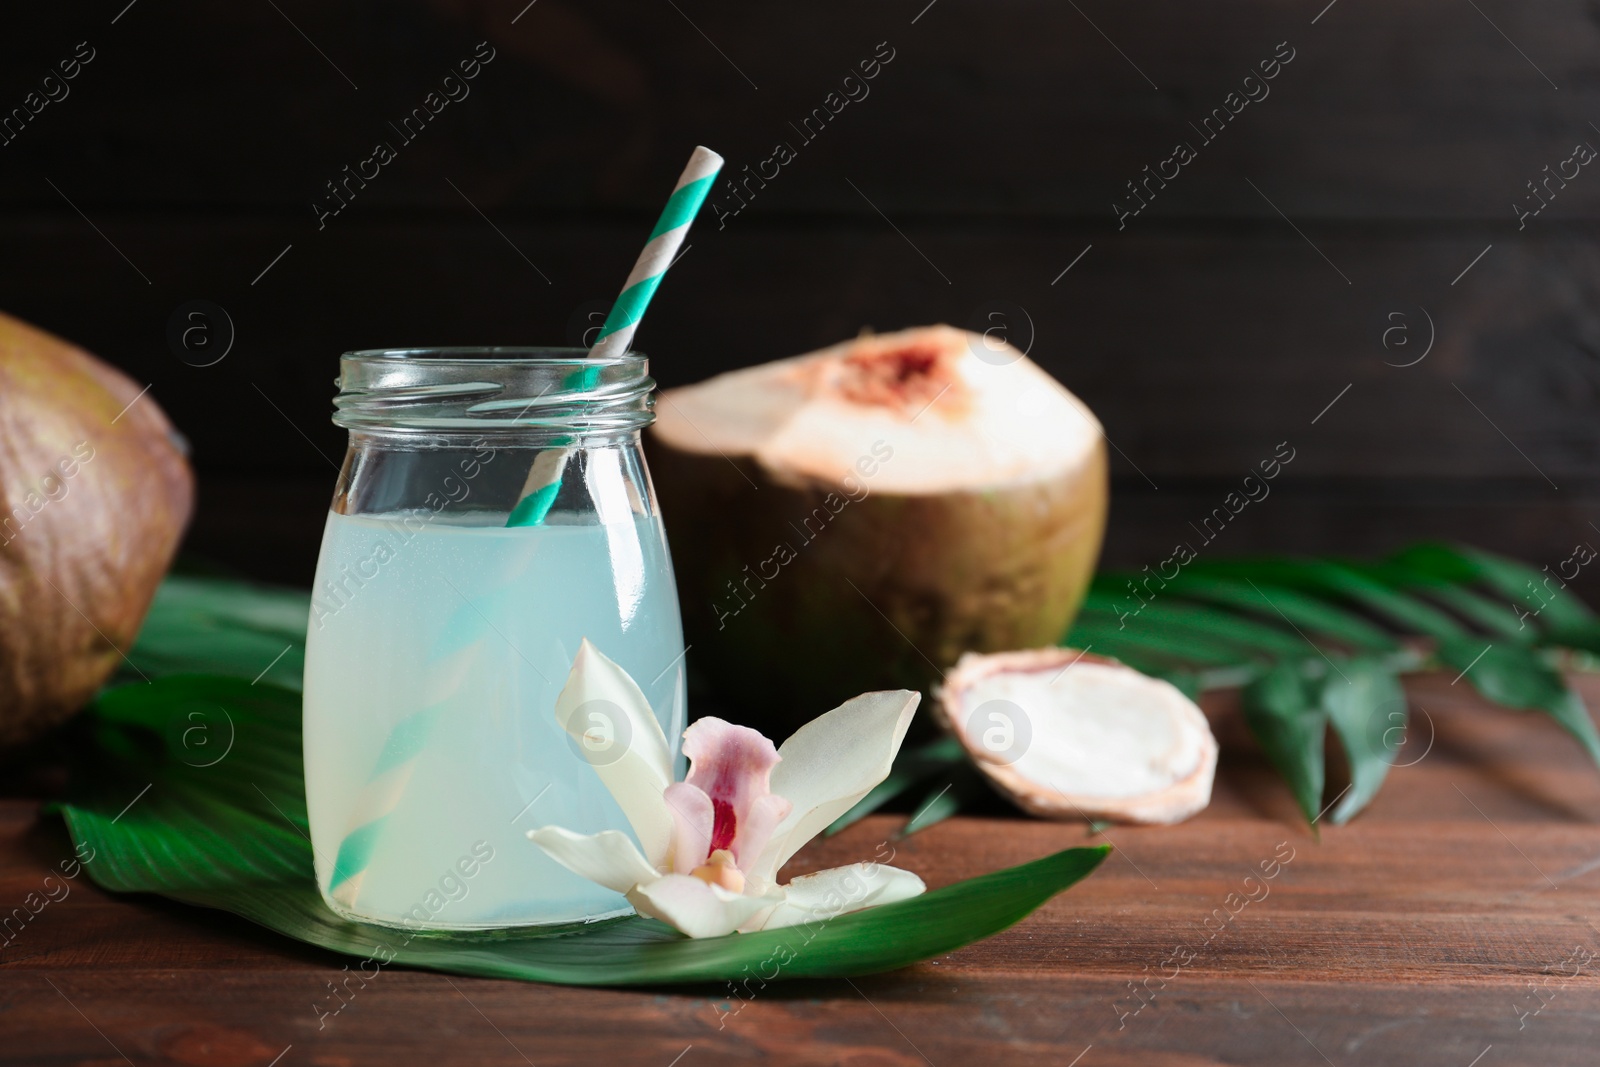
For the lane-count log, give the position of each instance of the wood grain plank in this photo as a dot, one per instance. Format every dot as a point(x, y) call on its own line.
point(1410, 936)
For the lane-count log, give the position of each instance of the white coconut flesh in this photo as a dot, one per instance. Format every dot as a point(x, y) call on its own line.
point(1082, 737)
point(958, 410)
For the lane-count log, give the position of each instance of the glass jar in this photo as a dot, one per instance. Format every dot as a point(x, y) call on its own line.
point(493, 511)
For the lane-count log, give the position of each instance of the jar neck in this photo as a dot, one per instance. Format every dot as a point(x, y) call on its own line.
point(480, 479)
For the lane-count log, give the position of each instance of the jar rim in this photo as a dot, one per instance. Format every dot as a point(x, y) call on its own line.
point(479, 355)
point(498, 387)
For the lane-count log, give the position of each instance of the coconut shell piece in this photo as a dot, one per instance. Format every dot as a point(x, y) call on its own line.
point(94, 495)
point(857, 517)
point(1069, 735)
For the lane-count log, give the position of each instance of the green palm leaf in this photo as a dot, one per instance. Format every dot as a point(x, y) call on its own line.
point(231, 834)
point(1515, 677)
point(1283, 712)
point(1301, 612)
point(219, 626)
point(1366, 706)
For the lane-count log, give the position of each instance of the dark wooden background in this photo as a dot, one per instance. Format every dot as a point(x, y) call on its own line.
point(985, 159)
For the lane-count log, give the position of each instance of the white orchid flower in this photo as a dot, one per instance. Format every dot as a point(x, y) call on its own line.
point(710, 847)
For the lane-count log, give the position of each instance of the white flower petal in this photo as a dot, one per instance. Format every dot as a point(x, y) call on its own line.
point(609, 857)
point(600, 697)
point(696, 908)
point(693, 819)
point(822, 896)
point(766, 814)
point(830, 763)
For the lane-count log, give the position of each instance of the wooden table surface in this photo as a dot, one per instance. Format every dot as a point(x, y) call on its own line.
point(1451, 924)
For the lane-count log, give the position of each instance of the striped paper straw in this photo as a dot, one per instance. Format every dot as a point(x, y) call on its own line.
point(378, 798)
point(544, 482)
point(616, 335)
point(386, 785)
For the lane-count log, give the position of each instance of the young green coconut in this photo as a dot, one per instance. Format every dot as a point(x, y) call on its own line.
point(857, 517)
point(1069, 735)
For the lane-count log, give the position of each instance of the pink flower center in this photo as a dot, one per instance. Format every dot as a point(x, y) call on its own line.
point(724, 824)
point(726, 804)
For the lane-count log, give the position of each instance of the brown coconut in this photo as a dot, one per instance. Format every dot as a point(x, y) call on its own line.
point(1069, 735)
point(94, 494)
point(858, 517)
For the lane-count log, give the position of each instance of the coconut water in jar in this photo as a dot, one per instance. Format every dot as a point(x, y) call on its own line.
point(459, 573)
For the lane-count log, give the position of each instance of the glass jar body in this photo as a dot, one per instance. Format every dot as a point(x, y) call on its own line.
point(439, 639)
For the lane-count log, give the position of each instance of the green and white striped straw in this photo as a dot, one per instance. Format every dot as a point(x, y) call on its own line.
point(406, 743)
point(392, 773)
point(388, 783)
point(616, 335)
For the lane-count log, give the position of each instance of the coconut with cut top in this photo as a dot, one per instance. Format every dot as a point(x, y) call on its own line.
point(857, 517)
point(1067, 734)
